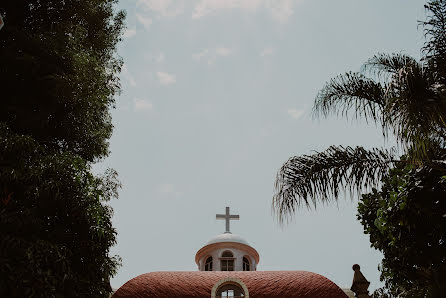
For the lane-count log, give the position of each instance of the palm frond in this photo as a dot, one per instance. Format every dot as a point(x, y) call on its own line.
point(351, 91)
point(318, 178)
point(408, 103)
point(388, 64)
point(434, 49)
point(415, 109)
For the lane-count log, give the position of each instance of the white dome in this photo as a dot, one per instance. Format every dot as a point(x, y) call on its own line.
point(227, 237)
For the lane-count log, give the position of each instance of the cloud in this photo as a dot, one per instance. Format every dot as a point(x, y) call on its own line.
point(155, 58)
point(160, 58)
point(200, 55)
point(295, 113)
point(162, 8)
point(140, 105)
point(145, 21)
point(210, 55)
point(165, 78)
point(266, 52)
point(279, 10)
point(127, 75)
point(168, 189)
point(282, 10)
point(129, 32)
point(206, 7)
point(223, 51)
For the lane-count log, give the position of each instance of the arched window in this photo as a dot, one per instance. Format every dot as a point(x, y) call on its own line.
point(246, 265)
point(229, 287)
point(208, 264)
point(229, 290)
point(227, 261)
point(227, 254)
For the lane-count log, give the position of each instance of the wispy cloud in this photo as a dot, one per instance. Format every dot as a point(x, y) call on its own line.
point(169, 190)
point(279, 10)
point(166, 78)
point(207, 7)
point(160, 58)
point(140, 105)
point(162, 8)
point(222, 51)
point(129, 32)
point(155, 58)
point(266, 52)
point(295, 113)
point(144, 20)
point(128, 76)
point(198, 56)
point(282, 10)
point(210, 55)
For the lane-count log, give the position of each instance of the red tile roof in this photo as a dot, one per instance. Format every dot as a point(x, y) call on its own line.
point(260, 284)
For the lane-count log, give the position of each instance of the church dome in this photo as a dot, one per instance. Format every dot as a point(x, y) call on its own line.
point(258, 284)
point(227, 237)
point(227, 251)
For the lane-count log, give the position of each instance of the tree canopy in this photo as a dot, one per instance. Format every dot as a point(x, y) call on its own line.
point(59, 72)
point(56, 232)
point(406, 221)
point(58, 75)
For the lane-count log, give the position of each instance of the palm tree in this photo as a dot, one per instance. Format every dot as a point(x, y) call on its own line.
point(406, 97)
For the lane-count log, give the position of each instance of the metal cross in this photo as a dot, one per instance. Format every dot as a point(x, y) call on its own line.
point(227, 217)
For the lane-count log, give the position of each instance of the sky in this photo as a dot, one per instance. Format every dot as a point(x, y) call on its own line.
point(216, 96)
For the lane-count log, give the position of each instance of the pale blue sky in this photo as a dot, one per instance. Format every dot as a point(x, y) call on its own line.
point(216, 95)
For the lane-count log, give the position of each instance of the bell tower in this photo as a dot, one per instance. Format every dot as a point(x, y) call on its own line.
point(227, 251)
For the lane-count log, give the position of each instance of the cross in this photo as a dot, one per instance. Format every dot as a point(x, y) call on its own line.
point(227, 217)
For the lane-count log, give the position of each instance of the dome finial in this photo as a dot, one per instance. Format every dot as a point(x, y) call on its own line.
point(227, 217)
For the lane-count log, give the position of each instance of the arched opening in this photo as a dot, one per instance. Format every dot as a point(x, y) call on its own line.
point(227, 254)
point(229, 290)
point(229, 287)
point(246, 264)
point(227, 261)
point(208, 264)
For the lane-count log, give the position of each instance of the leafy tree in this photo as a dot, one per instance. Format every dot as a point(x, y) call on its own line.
point(58, 74)
point(55, 231)
point(405, 219)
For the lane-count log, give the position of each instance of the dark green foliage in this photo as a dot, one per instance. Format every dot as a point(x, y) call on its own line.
point(55, 231)
point(406, 220)
point(58, 72)
point(58, 77)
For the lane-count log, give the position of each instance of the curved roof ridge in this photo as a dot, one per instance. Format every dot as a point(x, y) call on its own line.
point(261, 284)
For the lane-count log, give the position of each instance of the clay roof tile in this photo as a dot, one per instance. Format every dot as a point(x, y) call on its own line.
point(260, 284)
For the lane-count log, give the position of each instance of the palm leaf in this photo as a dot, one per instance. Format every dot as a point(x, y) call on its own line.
point(351, 91)
point(387, 64)
point(434, 49)
point(408, 102)
point(318, 178)
point(415, 103)
point(415, 109)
